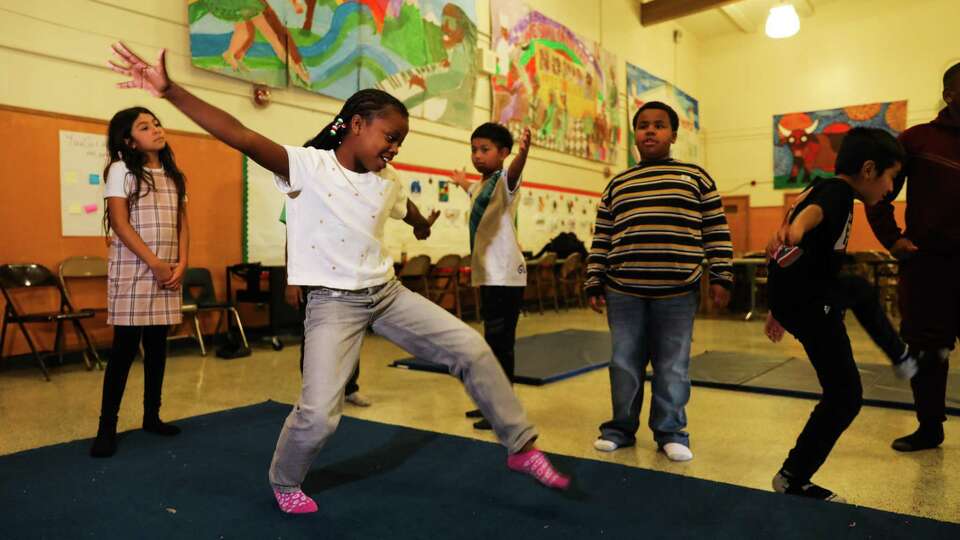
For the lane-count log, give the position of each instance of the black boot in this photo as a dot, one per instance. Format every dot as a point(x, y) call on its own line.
point(924, 438)
point(153, 424)
point(105, 445)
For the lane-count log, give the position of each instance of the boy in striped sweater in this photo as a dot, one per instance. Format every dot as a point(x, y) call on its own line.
point(656, 223)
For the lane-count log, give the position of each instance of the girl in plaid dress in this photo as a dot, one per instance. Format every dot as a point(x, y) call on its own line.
point(145, 197)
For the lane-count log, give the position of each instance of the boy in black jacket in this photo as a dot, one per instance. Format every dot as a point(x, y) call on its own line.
point(808, 298)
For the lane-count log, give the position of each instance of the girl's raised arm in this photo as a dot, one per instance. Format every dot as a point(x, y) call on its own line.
point(218, 123)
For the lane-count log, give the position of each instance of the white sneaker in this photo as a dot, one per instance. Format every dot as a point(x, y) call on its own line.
point(358, 399)
point(677, 452)
point(604, 445)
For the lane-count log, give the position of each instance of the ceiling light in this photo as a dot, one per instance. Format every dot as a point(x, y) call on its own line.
point(782, 22)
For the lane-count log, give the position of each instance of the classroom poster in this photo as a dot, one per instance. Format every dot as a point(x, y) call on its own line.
point(805, 144)
point(82, 159)
point(560, 85)
point(422, 51)
point(642, 87)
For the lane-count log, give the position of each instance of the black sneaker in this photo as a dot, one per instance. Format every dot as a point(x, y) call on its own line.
point(474, 414)
point(784, 484)
point(921, 439)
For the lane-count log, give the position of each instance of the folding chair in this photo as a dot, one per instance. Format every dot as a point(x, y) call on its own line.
point(445, 281)
point(22, 276)
point(570, 280)
point(542, 274)
point(198, 297)
point(415, 273)
point(82, 267)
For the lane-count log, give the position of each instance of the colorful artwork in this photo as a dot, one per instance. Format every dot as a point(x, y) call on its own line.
point(559, 84)
point(642, 87)
point(422, 51)
point(805, 144)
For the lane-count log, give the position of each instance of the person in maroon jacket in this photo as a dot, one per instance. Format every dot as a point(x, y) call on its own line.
point(929, 254)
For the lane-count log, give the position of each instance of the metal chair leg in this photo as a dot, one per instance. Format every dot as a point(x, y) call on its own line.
point(243, 335)
point(91, 350)
point(33, 349)
point(199, 334)
point(58, 342)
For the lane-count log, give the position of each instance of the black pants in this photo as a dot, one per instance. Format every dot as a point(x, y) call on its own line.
point(500, 310)
point(352, 384)
point(126, 340)
point(930, 303)
point(819, 328)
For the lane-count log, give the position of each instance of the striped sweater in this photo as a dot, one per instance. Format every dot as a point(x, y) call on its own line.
point(655, 224)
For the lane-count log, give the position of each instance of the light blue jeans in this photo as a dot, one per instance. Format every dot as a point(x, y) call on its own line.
point(656, 331)
point(334, 329)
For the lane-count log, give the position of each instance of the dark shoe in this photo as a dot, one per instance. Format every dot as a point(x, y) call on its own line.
point(153, 424)
point(782, 483)
point(474, 414)
point(482, 424)
point(105, 445)
point(921, 439)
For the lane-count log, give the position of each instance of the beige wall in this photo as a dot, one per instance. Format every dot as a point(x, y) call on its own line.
point(53, 58)
point(850, 52)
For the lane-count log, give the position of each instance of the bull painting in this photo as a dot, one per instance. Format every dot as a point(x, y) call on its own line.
point(806, 143)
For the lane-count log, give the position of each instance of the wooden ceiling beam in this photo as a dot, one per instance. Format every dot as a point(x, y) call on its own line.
point(739, 18)
point(658, 11)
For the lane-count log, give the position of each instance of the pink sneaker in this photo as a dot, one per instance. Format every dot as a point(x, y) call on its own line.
point(536, 464)
point(294, 502)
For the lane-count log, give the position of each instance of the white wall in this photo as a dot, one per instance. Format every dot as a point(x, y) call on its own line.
point(849, 52)
point(53, 55)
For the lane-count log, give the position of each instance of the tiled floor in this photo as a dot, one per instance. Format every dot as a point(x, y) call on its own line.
point(738, 438)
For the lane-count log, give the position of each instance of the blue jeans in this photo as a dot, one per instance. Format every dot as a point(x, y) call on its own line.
point(645, 330)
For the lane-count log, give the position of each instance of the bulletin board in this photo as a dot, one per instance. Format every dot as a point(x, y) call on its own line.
point(82, 158)
point(544, 212)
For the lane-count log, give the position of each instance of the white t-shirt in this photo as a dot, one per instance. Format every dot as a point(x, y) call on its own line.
point(119, 181)
point(335, 220)
point(496, 257)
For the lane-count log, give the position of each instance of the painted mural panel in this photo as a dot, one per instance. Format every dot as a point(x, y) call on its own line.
point(805, 144)
point(422, 51)
point(548, 78)
point(642, 86)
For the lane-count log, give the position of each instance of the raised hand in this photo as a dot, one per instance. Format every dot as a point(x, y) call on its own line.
point(153, 78)
point(459, 177)
point(524, 141)
point(422, 231)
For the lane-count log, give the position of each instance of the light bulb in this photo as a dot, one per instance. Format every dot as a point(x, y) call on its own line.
point(782, 22)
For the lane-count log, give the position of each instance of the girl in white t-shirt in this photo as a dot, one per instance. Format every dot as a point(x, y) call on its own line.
point(336, 210)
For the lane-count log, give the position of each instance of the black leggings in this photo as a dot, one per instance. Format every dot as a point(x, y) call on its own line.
point(126, 340)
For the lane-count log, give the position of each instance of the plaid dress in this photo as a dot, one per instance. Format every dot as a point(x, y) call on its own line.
point(134, 298)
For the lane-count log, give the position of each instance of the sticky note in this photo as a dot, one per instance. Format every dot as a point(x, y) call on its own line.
point(90, 208)
point(74, 209)
point(94, 179)
point(71, 177)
